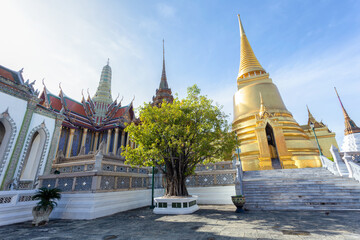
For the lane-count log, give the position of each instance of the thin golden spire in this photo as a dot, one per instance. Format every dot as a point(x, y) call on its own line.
point(248, 60)
point(262, 109)
point(350, 126)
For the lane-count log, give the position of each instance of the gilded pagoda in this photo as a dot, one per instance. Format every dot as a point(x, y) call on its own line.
point(269, 136)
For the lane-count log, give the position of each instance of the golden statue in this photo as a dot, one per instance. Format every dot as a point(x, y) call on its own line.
point(269, 135)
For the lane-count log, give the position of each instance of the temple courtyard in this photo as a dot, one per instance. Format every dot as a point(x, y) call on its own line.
point(210, 222)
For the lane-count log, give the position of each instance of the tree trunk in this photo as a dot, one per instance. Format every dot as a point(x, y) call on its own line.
point(175, 187)
point(175, 184)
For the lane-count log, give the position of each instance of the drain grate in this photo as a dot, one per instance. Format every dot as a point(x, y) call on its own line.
point(292, 232)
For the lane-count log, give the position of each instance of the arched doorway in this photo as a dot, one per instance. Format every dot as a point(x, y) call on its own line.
point(33, 156)
point(272, 147)
point(6, 132)
point(2, 132)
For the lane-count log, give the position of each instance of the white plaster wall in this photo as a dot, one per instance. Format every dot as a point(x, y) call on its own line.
point(16, 108)
point(213, 195)
point(95, 205)
point(37, 120)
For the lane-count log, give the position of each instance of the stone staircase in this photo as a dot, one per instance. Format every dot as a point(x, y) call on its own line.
point(300, 189)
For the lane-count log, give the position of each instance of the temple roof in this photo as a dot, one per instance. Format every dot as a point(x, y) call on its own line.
point(96, 113)
point(16, 79)
point(248, 60)
point(311, 119)
point(350, 126)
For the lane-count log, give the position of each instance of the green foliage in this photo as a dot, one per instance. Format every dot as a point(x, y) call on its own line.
point(47, 197)
point(178, 136)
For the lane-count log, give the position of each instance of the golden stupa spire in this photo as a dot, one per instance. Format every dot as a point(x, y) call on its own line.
point(350, 126)
point(262, 109)
point(248, 60)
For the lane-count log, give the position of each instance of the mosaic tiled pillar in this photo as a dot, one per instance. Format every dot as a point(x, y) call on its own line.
point(70, 142)
point(54, 143)
point(84, 137)
point(116, 140)
point(9, 174)
point(108, 141)
point(123, 138)
point(96, 141)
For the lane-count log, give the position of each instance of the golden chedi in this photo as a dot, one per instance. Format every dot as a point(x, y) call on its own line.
point(269, 136)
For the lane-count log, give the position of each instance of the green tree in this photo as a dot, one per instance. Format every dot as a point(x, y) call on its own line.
point(178, 136)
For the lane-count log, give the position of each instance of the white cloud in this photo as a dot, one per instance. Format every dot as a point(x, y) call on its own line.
point(166, 10)
point(310, 78)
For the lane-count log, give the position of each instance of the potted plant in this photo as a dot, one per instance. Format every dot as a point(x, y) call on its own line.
point(42, 210)
point(239, 201)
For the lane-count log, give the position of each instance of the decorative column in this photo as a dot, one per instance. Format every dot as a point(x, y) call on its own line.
point(84, 137)
point(70, 142)
point(123, 138)
point(127, 140)
point(96, 141)
point(264, 156)
point(284, 154)
point(116, 138)
point(54, 146)
point(108, 141)
point(31, 106)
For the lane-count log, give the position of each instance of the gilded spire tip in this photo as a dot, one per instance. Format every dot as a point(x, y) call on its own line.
point(242, 32)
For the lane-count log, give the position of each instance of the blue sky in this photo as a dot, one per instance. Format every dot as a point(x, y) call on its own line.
point(308, 47)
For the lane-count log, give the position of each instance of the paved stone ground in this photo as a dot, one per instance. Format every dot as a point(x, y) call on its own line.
point(211, 222)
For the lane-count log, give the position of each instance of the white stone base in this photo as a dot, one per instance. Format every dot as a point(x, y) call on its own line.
point(17, 210)
point(75, 205)
point(95, 205)
point(181, 205)
point(351, 143)
point(220, 195)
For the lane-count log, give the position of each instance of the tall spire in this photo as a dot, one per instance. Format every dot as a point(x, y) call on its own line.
point(103, 92)
point(163, 82)
point(164, 92)
point(248, 60)
point(350, 126)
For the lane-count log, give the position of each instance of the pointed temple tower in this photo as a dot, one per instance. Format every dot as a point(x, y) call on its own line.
point(92, 121)
point(325, 136)
point(351, 141)
point(269, 135)
point(164, 92)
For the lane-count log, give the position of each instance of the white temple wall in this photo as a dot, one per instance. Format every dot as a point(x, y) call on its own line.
point(35, 125)
point(16, 109)
point(213, 195)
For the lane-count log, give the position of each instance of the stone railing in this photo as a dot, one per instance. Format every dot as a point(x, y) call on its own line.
point(354, 156)
point(211, 178)
point(12, 198)
point(329, 165)
point(95, 173)
point(226, 165)
point(354, 170)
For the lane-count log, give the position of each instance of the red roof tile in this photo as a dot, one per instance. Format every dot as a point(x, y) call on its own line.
point(6, 74)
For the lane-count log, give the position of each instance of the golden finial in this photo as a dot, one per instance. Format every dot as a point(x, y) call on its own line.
point(242, 32)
